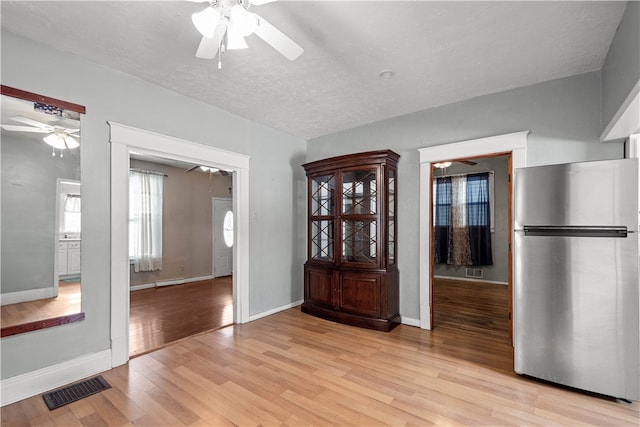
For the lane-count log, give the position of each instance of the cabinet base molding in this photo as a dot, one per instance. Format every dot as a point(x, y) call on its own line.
point(378, 324)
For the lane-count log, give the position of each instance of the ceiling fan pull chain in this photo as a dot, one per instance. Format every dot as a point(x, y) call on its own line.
point(53, 151)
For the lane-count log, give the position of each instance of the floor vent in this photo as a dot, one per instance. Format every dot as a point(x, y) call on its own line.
point(71, 393)
point(476, 273)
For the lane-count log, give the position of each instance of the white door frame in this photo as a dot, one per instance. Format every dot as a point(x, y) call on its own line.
point(213, 232)
point(515, 143)
point(126, 139)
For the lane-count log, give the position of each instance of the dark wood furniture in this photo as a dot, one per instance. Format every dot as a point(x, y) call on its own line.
point(351, 275)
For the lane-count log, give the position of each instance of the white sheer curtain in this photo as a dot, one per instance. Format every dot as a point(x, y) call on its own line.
point(71, 214)
point(145, 220)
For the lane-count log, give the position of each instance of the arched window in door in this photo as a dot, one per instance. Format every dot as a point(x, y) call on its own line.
point(227, 229)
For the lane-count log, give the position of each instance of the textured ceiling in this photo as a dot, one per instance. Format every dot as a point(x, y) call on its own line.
point(441, 52)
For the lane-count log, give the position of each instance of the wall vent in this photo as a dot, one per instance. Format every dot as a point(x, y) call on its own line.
point(476, 273)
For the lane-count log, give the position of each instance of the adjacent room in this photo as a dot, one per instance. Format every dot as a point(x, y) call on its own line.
point(234, 212)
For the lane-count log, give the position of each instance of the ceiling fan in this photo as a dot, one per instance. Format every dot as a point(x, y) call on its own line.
point(58, 136)
point(208, 169)
point(225, 23)
point(442, 165)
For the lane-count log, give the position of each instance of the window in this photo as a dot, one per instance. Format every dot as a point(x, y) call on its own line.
point(227, 229)
point(462, 219)
point(145, 220)
point(70, 224)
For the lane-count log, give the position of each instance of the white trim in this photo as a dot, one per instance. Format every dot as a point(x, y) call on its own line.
point(274, 311)
point(28, 295)
point(626, 121)
point(515, 143)
point(35, 382)
point(410, 321)
point(141, 287)
point(161, 283)
point(468, 279)
point(126, 139)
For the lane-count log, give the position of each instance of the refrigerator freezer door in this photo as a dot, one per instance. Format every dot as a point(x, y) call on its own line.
point(576, 312)
point(602, 193)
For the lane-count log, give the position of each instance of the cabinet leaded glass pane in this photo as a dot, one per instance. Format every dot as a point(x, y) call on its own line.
point(392, 216)
point(322, 240)
point(359, 241)
point(359, 192)
point(322, 189)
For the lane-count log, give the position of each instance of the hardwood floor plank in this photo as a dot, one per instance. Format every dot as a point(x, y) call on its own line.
point(163, 315)
point(279, 371)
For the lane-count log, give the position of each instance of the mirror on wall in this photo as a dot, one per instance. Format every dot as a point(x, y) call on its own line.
point(40, 219)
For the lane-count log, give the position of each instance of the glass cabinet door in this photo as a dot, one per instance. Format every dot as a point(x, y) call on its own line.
point(322, 202)
point(359, 192)
point(359, 224)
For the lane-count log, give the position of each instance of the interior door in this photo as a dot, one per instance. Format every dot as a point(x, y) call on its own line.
point(223, 236)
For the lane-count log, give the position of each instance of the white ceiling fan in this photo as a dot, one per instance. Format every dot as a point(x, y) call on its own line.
point(225, 23)
point(58, 136)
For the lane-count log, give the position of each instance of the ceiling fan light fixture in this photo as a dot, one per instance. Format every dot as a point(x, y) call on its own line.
point(70, 142)
point(55, 141)
point(242, 20)
point(442, 165)
point(206, 21)
point(235, 40)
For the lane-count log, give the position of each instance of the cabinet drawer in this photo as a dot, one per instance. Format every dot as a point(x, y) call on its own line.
point(73, 245)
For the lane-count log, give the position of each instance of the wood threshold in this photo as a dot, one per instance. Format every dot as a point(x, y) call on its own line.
point(41, 324)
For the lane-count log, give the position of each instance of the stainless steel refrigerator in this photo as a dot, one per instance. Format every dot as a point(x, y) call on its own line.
point(576, 318)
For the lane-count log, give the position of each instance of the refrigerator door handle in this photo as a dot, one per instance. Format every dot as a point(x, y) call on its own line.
point(576, 231)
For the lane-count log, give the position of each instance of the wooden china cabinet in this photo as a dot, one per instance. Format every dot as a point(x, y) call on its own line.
point(351, 274)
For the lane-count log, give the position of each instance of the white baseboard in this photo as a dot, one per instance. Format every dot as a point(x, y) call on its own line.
point(171, 282)
point(30, 295)
point(409, 321)
point(274, 311)
point(468, 279)
point(26, 385)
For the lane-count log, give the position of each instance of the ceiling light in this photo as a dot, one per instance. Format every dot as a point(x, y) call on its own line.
point(243, 21)
point(386, 74)
point(442, 165)
point(235, 39)
point(206, 21)
point(61, 141)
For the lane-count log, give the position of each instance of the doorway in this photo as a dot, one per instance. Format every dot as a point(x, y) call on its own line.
point(177, 295)
point(125, 140)
point(514, 143)
point(470, 255)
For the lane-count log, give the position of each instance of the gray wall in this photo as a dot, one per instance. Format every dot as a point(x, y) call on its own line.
point(114, 96)
point(29, 175)
point(621, 69)
point(563, 116)
point(499, 271)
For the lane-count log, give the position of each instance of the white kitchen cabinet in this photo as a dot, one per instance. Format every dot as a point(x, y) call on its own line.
point(68, 257)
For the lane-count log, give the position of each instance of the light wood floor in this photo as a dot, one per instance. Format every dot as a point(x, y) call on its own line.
point(159, 316)
point(291, 369)
point(67, 302)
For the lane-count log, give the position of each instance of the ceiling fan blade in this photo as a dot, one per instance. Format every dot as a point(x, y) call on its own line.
point(467, 162)
point(260, 2)
point(71, 131)
point(277, 39)
point(17, 128)
point(192, 168)
point(208, 48)
point(31, 122)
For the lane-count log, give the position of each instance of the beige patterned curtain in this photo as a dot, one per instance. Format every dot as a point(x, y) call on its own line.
point(459, 248)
